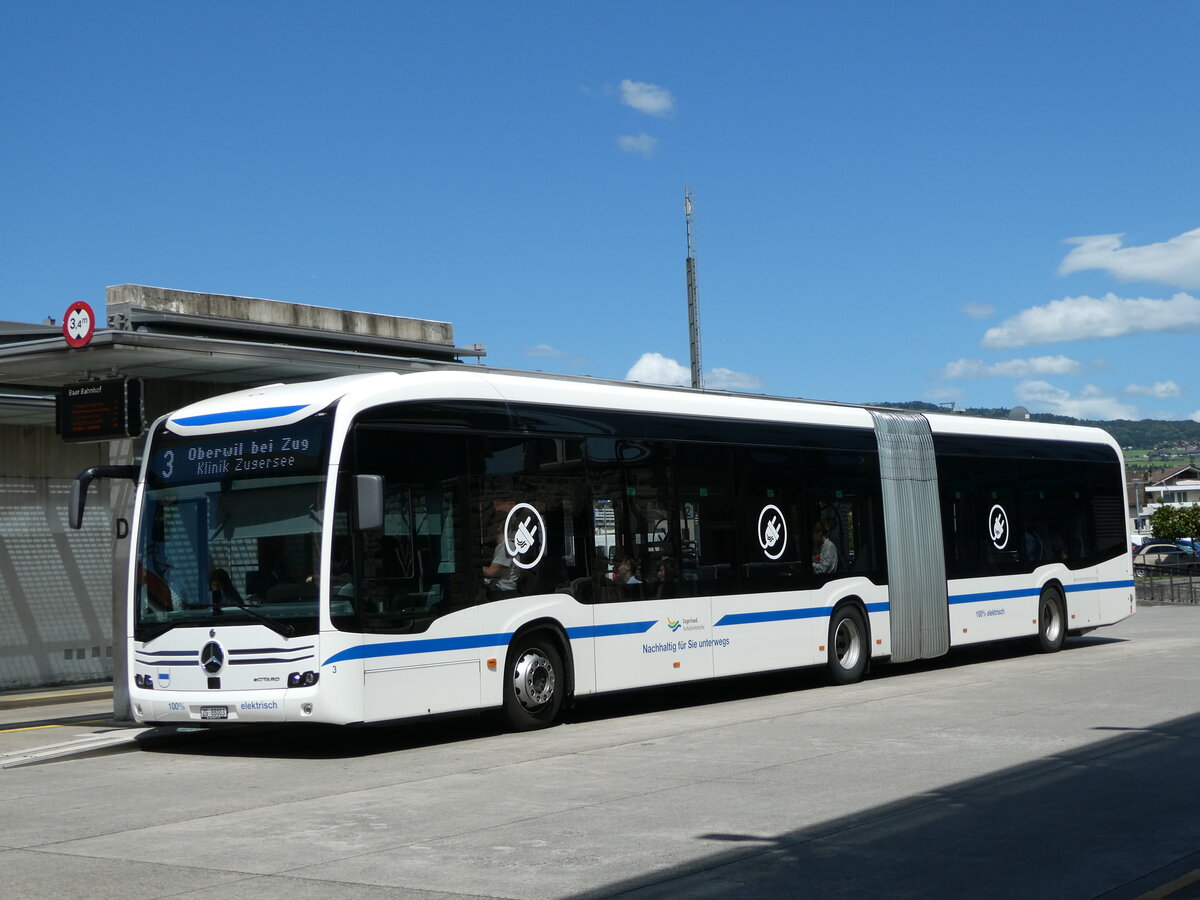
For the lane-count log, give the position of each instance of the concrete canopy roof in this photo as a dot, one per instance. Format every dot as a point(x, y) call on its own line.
point(157, 342)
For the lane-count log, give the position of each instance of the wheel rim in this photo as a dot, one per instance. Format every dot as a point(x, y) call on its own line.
point(533, 680)
point(847, 643)
point(1051, 620)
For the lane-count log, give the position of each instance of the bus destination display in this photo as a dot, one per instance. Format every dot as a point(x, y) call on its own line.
point(294, 450)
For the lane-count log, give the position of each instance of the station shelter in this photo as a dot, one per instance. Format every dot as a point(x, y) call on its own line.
point(62, 591)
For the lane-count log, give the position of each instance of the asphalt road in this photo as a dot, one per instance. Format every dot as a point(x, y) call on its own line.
point(996, 772)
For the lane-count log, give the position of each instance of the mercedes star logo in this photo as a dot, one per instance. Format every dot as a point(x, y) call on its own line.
point(212, 658)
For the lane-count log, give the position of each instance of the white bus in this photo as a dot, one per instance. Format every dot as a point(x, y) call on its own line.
point(380, 547)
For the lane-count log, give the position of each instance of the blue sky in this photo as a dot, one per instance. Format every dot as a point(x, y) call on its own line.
point(991, 204)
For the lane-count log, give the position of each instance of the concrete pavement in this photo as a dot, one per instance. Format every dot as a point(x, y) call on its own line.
point(994, 772)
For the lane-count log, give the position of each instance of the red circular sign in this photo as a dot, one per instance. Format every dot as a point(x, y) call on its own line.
point(79, 324)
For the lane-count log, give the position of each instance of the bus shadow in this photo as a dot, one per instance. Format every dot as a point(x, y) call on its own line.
point(338, 742)
point(1114, 819)
point(295, 741)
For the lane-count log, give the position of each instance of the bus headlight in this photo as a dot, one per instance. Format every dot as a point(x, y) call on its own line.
point(303, 679)
point(144, 681)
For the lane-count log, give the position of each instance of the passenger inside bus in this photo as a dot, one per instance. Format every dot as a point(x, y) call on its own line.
point(825, 554)
point(626, 572)
point(500, 576)
point(221, 585)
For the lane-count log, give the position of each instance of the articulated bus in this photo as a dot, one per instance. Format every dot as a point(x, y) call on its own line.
point(380, 547)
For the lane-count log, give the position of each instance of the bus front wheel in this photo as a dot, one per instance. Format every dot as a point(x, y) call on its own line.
point(848, 645)
point(534, 689)
point(1052, 621)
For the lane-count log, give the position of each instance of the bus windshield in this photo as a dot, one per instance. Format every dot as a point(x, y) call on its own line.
point(230, 531)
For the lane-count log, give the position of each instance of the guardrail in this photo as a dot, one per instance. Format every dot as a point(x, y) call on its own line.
point(1179, 583)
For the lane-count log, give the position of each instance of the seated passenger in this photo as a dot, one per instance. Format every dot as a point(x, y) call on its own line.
point(221, 585)
point(500, 576)
point(626, 572)
point(825, 555)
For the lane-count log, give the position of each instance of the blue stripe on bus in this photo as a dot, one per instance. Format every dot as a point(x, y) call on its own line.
point(430, 645)
point(475, 641)
point(585, 632)
point(1034, 592)
point(239, 415)
point(994, 595)
point(1099, 585)
point(784, 615)
point(595, 631)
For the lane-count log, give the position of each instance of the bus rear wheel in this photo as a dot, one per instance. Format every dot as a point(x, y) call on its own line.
point(1052, 620)
point(848, 646)
point(534, 683)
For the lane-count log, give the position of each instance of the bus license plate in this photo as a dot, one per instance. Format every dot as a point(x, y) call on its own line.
point(214, 712)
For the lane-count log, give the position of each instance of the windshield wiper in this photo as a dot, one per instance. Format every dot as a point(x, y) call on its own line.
point(147, 633)
point(281, 628)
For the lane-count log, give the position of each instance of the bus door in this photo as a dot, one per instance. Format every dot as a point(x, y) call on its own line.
point(1059, 529)
point(413, 591)
point(651, 619)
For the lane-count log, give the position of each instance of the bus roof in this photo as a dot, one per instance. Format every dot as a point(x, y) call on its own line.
point(284, 404)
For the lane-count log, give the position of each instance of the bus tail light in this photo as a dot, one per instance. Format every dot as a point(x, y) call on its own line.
point(303, 679)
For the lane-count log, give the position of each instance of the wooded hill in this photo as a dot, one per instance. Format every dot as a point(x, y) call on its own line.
point(1151, 434)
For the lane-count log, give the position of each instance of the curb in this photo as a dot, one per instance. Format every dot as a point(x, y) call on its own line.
point(52, 698)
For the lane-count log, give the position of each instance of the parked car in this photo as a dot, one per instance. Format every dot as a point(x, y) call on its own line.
point(1166, 556)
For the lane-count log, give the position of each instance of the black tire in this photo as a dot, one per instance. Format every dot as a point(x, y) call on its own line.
point(1139, 571)
point(849, 646)
point(534, 683)
point(1052, 620)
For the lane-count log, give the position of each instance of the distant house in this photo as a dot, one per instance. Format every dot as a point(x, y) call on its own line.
point(1175, 486)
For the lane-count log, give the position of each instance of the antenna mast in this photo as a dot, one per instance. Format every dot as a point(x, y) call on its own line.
point(693, 303)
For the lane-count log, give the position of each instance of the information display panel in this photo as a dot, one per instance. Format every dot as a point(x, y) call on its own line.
point(100, 410)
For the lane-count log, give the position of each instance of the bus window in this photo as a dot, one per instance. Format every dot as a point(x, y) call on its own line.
point(707, 532)
point(527, 515)
point(631, 520)
point(843, 509)
point(771, 523)
point(411, 571)
point(982, 519)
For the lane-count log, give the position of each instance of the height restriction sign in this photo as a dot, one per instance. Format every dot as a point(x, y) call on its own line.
point(79, 324)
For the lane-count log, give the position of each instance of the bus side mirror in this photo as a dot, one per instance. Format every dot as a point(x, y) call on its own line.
point(79, 488)
point(368, 507)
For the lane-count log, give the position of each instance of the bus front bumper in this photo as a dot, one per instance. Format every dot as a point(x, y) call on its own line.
point(212, 708)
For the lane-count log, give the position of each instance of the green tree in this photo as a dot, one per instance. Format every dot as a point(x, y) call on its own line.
point(1171, 522)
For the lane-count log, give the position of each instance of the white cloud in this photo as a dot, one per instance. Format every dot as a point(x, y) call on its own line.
point(943, 394)
point(1090, 403)
point(1081, 318)
point(978, 310)
point(1175, 262)
point(1195, 417)
point(544, 351)
point(654, 368)
point(1012, 368)
point(728, 380)
point(1158, 389)
point(651, 99)
point(639, 144)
